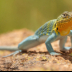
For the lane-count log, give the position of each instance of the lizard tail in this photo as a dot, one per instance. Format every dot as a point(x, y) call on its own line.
point(8, 48)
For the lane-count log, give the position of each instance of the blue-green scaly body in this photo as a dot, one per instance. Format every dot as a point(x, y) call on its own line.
point(46, 29)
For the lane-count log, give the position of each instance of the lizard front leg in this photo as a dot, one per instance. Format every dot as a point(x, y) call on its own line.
point(71, 37)
point(71, 40)
point(63, 41)
point(50, 39)
point(70, 34)
point(62, 44)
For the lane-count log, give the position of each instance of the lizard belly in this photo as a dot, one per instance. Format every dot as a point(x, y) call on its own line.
point(42, 39)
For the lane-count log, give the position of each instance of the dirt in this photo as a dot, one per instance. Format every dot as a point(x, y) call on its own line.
point(35, 59)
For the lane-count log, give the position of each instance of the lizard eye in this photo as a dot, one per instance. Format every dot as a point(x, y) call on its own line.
point(65, 15)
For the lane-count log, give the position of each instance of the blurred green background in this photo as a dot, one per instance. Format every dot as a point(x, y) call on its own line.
point(31, 14)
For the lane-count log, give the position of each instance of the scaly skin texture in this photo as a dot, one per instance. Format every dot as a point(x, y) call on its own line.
point(57, 29)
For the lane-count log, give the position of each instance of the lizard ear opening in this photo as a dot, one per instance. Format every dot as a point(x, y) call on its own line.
point(57, 28)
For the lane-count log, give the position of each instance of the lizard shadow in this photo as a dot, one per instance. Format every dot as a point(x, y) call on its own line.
point(34, 52)
point(66, 56)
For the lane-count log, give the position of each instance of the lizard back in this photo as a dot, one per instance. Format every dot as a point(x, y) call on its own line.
point(47, 28)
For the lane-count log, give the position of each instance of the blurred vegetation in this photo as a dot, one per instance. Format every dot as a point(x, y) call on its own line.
point(31, 14)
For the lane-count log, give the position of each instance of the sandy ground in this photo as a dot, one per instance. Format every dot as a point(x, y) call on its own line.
point(35, 59)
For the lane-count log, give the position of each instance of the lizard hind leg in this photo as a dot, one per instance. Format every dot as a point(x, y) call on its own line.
point(14, 53)
point(29, 42)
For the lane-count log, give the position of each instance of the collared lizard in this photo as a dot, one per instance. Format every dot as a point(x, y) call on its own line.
point(56, 29)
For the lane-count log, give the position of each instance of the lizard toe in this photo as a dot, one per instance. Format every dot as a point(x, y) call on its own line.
point(54, 53)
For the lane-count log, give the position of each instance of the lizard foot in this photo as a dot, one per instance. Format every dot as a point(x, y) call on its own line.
point(65, 49)
point(15, 53)
point(54, 53)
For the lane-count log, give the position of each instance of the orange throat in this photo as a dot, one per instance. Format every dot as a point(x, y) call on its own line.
point(64, 28)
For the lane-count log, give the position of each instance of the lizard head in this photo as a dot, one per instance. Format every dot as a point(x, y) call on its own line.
point(64, 23)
